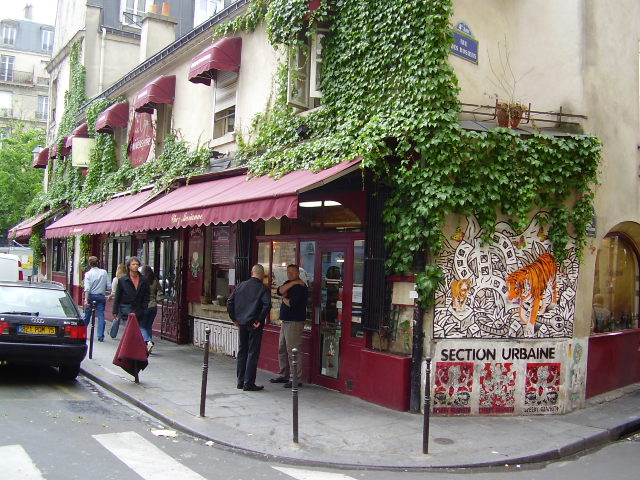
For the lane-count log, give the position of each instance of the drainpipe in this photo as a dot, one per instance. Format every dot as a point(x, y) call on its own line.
point(418, 341)
point(102, 47)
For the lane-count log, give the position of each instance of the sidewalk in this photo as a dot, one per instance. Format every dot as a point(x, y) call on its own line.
point(338, 429)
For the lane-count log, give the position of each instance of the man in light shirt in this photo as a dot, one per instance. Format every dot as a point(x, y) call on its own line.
point(95, 290)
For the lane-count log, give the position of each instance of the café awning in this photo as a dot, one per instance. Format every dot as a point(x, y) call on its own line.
point(159, 90)
point(102, 217)
point(225, 54)
point(24, 229)
point(43, 159)
point(117, 115)
point(232, 199)
point(80, 131)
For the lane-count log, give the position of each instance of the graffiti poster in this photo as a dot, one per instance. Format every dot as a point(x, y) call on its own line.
point(453, 388)
point(510, 288)
point(497, 388)
point(542, 388)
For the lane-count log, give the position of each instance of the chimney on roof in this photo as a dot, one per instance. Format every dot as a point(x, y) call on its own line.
point(28, 12)
point(157, 32)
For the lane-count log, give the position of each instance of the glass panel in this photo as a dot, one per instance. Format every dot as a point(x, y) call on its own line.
point(48, 303)
point(615, 297)
point(331, 312)
point(284, 253)
point(356, 292)
point(307, 273)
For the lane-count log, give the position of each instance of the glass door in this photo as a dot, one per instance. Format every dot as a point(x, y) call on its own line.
point(331, 311)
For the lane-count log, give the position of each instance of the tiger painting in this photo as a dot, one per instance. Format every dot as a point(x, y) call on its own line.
point(528, 286)
point(459, 293)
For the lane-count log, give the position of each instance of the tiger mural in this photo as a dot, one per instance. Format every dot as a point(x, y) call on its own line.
point(528, 286)
point(460, 293)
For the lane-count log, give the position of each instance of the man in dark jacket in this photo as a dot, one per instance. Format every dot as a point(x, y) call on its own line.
point(248, 306)
point(132, 293)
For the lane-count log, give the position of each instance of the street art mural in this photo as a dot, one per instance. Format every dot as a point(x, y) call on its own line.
point(453, 388)
point(511, 288)
point(542, 388)
point(497, 388)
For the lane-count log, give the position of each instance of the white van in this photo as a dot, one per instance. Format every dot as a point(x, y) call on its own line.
point(10, 267)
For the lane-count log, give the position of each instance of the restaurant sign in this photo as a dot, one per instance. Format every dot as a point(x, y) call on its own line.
point(141, 139)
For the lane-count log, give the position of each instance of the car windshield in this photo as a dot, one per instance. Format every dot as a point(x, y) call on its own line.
point(43, 301)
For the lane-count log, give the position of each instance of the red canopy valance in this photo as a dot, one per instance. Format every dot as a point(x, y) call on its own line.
point(223, 55)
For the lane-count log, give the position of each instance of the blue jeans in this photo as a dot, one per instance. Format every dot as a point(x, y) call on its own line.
point(100, 303)
point(146, 325)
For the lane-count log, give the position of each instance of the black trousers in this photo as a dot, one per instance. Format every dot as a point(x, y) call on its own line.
point(249, 340)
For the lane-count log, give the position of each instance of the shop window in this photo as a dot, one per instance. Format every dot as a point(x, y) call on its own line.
point(325, 216)
point(221, 261)
point(59, 250)
point(615, 289)
point(167, 262)
point(305, 72)
point(356, 291)
point(224, 121)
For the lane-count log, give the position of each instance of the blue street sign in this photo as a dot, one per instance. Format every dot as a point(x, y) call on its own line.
point(464, 45)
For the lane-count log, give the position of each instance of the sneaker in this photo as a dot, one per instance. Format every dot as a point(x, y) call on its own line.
point(279, 380)
point(149, 346)
point(101, 339)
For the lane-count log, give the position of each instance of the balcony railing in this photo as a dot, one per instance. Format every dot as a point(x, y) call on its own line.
point(24, 78)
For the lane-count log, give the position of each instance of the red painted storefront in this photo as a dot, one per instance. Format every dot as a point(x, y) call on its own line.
point(613, 362)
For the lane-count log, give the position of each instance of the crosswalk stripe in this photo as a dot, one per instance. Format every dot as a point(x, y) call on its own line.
point(300, 474)
point(16, 463)
point(144, 458)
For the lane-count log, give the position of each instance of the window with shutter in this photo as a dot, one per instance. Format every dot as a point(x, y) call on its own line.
point(225, 103)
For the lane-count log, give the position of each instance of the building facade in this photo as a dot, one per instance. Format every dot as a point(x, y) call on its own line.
point(25, 49)
point(512, 330)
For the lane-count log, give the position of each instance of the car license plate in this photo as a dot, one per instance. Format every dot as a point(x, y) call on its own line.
point(37, 329)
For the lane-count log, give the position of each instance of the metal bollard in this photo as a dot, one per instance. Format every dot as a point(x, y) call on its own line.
point(205, 371)
point(294, 392)
point(93, 326)
point(427, 407)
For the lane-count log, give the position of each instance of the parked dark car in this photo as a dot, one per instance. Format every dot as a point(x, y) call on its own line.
point(41, 325)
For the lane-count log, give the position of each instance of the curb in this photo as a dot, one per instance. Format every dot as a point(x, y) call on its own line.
point(604, 437)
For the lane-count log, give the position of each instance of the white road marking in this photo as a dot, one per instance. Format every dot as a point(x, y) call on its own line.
point(16, 463)
point(144, 458)
point(300, 474)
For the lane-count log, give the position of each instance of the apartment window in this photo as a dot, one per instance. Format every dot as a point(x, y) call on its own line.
point(6, 99)
point(305, 73)
point(43, 108)
point(225, 103)
point(5, 132)
point(47, 40)
point(6, 67)
point(133, 10)
point(9, 34)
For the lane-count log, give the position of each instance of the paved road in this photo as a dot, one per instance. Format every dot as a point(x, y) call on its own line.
point(51, 429)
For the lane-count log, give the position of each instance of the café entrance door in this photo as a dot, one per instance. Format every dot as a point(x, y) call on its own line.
point(336, 334)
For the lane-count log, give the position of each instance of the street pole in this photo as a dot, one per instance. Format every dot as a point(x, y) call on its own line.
point(294, 392)
point(427, 407)
point(93, 326)
point(205, 371)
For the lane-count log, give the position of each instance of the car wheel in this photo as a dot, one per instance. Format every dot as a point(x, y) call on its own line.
point(69, 372)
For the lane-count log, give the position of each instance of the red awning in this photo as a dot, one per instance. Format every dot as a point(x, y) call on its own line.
point(103, 217)
point(53, 151)
point(80, 131)
point(159, 90)
point(117, 115)
point(231, 199)
point(25, 228)
point(64, 151)
point(43, 159)
point(223, 55)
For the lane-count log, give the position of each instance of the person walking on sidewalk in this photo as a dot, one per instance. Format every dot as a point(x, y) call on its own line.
point(248, 306)
point(96, 282)
point(120, 270)
point(293, 313)
point(132, 295)
point(155, 296)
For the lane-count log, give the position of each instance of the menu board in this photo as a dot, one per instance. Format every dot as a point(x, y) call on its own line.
point(220, 250)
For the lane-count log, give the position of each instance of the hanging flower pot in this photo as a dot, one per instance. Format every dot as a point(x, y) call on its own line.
point(509, 114)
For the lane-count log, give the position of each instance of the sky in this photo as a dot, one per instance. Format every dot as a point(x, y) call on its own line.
point(44, 11)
